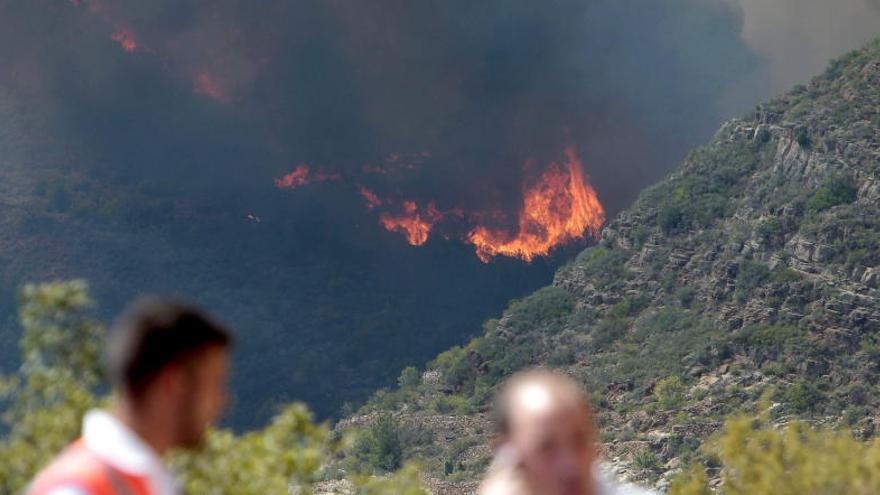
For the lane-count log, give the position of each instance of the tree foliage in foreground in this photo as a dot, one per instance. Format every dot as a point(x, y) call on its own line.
point(60, 378)
point(796, 460)
point(42, 404)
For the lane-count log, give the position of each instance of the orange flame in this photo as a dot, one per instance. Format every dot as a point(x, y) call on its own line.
point(299, 177)
point(206, 85)
point(302, 176)
point(415, 224)
point(561, 207)
point(126, 40)
point(370, 197)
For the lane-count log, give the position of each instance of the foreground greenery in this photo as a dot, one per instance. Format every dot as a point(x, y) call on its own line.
point(756, 458)
point(60, 378)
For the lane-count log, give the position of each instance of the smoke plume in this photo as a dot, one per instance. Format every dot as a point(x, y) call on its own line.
point(282, 140)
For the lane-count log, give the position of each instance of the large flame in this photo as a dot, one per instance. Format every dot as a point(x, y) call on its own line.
point(561, 207)
point(414, 223)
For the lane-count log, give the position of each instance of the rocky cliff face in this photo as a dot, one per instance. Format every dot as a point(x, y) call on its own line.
point(752, 273)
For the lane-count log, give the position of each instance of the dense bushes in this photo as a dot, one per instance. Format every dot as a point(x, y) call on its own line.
point(541, 307)
point(43, 403)
point(379, 447)
point(750, 275)
point(604, 266)
point(670, 393)
point(802, 397)
point(702, 196)
point(756, 458)
point(836, 189)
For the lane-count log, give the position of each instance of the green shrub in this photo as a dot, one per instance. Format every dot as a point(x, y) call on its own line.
point(836, 189)
point(409, 378)
point(607, 332)
point(454, 366)
point(41, 405)
point(802, 397)
point(751, 275)
point(604, 266)
point(379, 447)
point(771, 231)
point(803, 139)
point(774, 335)
point(672, 218)
point(646, 459)
point(451, 404)
point(546, 304)
point(630, 306)
point(686, 296)
point(785, 275)
point(670, 393)
point(757, 458)
point(854, 414)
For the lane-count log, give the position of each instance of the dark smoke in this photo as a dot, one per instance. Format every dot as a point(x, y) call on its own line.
point(219, 98)
point(483, 86)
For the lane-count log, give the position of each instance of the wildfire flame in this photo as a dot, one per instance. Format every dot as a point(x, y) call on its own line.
point(415, 224)
point(373, 201)
point(301, 176)
point(561, 207)
point(126, 39)
point(206, 85)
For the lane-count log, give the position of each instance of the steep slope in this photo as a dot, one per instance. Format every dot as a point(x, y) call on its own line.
point(751, 272)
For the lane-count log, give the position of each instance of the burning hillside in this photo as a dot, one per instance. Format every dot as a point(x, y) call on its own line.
point(559, 207)
point(562, 206)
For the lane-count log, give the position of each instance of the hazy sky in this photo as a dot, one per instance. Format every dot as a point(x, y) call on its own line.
point(798, 37)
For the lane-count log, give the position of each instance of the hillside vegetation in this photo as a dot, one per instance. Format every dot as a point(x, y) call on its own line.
point(752, 271)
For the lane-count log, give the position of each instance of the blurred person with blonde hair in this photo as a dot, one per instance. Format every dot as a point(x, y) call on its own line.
point(548, 441)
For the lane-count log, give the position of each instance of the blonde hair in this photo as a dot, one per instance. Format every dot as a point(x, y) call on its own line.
point(558, 387)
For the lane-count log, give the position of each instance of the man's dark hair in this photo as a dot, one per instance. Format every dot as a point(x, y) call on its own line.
point(153, 333)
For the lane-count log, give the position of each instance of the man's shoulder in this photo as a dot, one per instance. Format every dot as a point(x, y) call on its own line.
point(74, 472)
point(68, 490)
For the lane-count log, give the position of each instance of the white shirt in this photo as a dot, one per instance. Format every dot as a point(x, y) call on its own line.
point(118, 446)
point(607, 485)
point(505, 460)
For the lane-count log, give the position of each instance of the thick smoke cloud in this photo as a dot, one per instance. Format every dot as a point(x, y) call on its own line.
point(206, 103)
point(246, 89)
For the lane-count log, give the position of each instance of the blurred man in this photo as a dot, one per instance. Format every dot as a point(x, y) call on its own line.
point(548, 441)
point(168, 364)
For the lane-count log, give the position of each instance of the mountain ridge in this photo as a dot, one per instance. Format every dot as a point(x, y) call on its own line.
point(750, 274)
